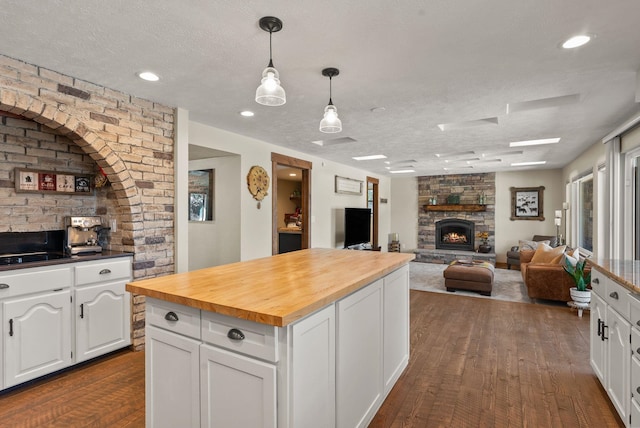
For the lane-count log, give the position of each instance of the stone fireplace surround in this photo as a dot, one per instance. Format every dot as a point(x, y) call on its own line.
point(469, 187)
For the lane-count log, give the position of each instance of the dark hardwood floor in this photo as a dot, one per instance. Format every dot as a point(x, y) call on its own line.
point(474, 363)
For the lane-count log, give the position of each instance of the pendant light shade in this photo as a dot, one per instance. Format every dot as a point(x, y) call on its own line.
point(330, 123)
point(270, 93)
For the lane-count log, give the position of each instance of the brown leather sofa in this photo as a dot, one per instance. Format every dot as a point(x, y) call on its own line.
point(513, 255)
point(547, 281)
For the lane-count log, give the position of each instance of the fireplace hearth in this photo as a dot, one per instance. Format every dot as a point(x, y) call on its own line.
point(455, 234)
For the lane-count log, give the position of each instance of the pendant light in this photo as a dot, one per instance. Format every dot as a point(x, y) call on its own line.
point(330, 123)
point(270, 93)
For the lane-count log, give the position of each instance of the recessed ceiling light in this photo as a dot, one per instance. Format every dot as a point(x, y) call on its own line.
point(534, 142)
point(528, 163)
point(293, 174)
point(369, 157)
point(576, 41)
point(246, 113)
point(402, 171)
point(378, 109)
point(148, 76)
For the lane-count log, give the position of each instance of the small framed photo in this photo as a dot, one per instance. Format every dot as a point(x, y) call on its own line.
point(527, 203)
point(197, 206)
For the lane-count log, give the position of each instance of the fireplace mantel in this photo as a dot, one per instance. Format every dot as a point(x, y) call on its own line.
point(456, 207)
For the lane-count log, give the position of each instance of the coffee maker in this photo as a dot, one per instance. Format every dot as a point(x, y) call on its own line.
point(81, 234)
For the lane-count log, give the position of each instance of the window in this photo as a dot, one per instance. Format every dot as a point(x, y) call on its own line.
point(582, 212)
point(201, 202)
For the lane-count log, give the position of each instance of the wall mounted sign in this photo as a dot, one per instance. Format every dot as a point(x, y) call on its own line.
point(35, 181)
point(527, 203)
point(348, 186)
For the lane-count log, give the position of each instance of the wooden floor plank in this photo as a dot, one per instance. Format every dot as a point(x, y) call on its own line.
point(473, 363)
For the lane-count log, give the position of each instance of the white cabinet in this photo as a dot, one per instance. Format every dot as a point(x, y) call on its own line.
point(172, 379)
point(610, 350)
point(333, 367)
point(102, 307)
point(37, 336)
point(396, 326)
point(359, 356)
point(236, 391)
point(55, 316)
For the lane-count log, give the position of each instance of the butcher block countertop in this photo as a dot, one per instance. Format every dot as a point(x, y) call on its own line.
point(276, 290)
point(625, 272)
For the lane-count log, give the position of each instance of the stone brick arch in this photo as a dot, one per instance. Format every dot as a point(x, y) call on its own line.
point(57, 117)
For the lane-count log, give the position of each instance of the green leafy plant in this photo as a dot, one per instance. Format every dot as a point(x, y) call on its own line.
point(577, 272)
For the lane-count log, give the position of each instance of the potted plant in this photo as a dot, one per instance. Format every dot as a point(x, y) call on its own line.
point(580, 293)
point(484, 247)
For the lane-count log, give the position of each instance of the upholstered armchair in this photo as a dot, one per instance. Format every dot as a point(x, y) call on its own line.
point(513, 255)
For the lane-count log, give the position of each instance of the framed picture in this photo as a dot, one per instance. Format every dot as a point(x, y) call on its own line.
point(527, 203)
point(197, 206)
point(348, 186)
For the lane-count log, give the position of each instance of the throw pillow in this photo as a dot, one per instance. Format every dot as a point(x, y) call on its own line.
point(530, 245)
point(526, 255)
point(548, 254)
point(571, 257)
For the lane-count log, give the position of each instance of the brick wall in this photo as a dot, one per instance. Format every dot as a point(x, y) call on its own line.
point(60, 123)
point(468, 187)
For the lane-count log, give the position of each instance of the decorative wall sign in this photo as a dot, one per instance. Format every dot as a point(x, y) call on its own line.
point(34, 181)
point(258, 183)
point(348, 186)
point(527, 203)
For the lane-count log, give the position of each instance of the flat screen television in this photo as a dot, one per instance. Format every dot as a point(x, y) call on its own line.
point(357, 226)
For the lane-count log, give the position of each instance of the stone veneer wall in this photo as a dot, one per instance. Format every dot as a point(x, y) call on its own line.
point(469, 187)
point(78, 125)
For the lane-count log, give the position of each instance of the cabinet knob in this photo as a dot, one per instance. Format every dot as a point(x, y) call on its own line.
point(5, 286)
point(235, 334)
point(596, 280)
point(105, 271)
point(638, 351)
point(638, 389)
point(614, 295)
point(638, 323)
point(171, 316)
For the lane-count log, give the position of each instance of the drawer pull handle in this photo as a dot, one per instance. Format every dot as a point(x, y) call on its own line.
point(638, 389)
point(614, 295)
point(5, 286)
point(171, 316)
point(638, 323)
point(603, 332)
point(235, 334)
point(596, 281)
point(638, 351)
point(105, 271)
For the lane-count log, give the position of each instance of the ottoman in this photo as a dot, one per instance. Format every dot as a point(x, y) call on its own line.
point(470, 276)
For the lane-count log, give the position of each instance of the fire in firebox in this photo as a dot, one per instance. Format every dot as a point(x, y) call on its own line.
point(454, 238)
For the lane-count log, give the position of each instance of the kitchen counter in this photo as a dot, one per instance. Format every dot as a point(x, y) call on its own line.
point(289, 230)
point(626, 273)
point(105, 254)
point(275, 290)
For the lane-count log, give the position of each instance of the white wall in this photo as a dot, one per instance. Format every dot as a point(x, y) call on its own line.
point(508, 232)
point(255, 224)
point(217, 242)
point(404, 211)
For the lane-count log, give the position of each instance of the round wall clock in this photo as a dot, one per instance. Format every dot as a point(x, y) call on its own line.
point(258, 183)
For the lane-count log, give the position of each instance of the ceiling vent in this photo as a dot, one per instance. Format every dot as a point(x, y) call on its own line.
point(334, 141)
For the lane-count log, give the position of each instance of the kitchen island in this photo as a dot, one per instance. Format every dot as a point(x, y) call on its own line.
point(316, 337)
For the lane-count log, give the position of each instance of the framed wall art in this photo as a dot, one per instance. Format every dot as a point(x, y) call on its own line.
point(348, 186)
point(35, 181)
point(527, 203)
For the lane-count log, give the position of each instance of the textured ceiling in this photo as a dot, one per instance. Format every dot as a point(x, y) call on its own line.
point(405, 67)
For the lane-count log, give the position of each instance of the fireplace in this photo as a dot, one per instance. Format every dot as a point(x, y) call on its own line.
point(455, 234)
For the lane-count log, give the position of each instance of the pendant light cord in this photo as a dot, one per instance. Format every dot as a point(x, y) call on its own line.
point(330, 101)
point(270, 53)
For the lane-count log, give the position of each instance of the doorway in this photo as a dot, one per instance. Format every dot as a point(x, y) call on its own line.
point(372, 204)
point(280, 163)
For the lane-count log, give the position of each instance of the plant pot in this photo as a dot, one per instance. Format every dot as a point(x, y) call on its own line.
point(580, 296)
point(484, 248)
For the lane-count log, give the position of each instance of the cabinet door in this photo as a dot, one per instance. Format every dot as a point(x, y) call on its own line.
point(313, 390)
point(359, 356)
point(396, 326)
point(597, 346)
point(172, 379)
point(37, 336)
point(236, 391)
point(618, 362)
point(102, 320)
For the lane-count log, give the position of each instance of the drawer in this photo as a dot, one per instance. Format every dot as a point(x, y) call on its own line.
point(260, 340)
point(634, 301)
point(618, 298)
point(177, 318)
point(34, 281)
point(598, 282)
point(103, 271)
